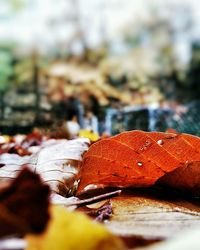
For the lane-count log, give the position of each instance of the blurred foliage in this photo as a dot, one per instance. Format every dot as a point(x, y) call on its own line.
point(23, 70)
point(193, 74)
point(6, 69)
point(17, 5)
point(14, 5)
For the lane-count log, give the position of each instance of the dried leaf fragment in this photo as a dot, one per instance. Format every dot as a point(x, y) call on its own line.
point(24, 205)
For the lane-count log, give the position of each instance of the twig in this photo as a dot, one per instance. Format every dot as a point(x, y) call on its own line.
point(92, 200)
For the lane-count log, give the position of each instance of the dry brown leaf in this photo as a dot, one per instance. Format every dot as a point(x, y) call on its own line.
point(57, 162)
point(142, 218)
point(24, 205)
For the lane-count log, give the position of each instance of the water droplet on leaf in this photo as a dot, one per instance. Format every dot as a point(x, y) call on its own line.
point(160, 142)
point(140, 164)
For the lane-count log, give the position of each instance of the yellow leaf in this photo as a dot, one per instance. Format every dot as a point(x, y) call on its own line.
point(73, 230)
point(89, 134)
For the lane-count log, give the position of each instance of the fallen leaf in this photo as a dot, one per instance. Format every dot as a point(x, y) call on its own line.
point(13, 148)
point(101, 213)
point(24, 204)
point(73, 230)
point(57, 162)
point(144, 217)
point(140, 159)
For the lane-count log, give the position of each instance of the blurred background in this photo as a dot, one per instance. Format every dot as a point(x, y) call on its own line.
point(99, 67)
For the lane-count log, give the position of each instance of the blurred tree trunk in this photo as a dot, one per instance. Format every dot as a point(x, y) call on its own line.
point(2, 104)
point(36, 88)
point(37, 92)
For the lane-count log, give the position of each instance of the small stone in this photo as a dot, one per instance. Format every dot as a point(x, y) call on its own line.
point(140, 164)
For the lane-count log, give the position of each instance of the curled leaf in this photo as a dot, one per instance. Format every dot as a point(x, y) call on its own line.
point(140, 159)
point(101, 213)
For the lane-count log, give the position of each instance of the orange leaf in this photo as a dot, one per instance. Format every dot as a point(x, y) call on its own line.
point(140, 159)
